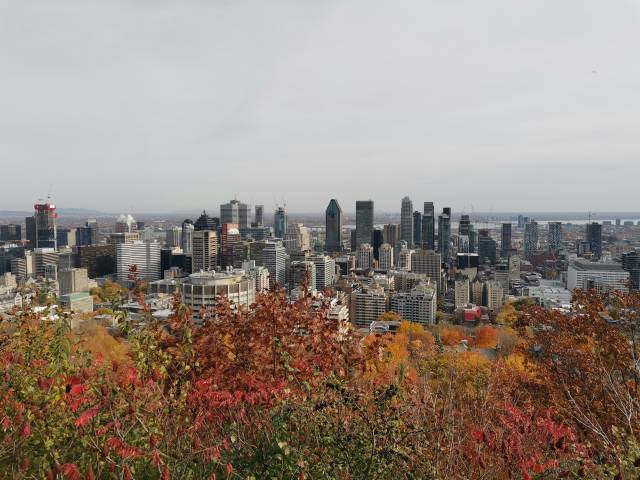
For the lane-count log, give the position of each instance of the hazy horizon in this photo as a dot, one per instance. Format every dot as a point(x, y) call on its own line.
point(160, 106)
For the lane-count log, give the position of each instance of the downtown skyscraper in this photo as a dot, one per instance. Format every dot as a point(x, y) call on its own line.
point(428, 226)
point(406, 221)
point(333, 222)
point(364, 222)
point(280, 222)
point(444, 234)
point(555, 237)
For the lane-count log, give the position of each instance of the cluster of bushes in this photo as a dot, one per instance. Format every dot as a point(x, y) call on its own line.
point(281, 392)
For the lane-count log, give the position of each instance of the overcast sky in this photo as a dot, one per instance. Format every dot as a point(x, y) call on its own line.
point(153, 105)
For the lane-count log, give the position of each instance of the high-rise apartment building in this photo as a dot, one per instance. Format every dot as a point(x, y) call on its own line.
point(204, 251)
point(418, 306)
point(366, 305)
point(364, 222)
point(333, 222)
point(406, 221)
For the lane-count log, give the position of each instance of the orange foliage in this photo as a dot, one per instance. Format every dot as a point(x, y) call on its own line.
point(486, 337)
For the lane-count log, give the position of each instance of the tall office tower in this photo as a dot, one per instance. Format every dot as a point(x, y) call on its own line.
point(631, 264)
point(45, 223)
point(235, 212)
point(364, 256)
point(204, 250)
point(229, 239)
point(378, 240)
point(274, 258)
point(555, 237)
point(444, 234)
point(126, 224)
point(88, 234)
point(417, 229)
point(429, 227)
point(385, 261)
point(429, 263)
point(258, 221)
point(30, 231)
point(174, 237)
point(487, 247)
point(391, 234)
point(205, 222)
point(333, 221)
point(72, 280)
point(186, 242)
point(505, 244)
point(406, 221)
point(280, 223)
point(530, 239)
point(144, 255)
point(364, 222)
point(465, 229)
point(521, 221)
point(594, 238)
point(11, 232)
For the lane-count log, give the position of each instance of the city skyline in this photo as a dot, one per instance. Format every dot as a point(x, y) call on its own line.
point(534, 107)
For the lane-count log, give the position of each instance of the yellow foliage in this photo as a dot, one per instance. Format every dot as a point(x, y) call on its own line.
point(97, 340)
point(508, 315)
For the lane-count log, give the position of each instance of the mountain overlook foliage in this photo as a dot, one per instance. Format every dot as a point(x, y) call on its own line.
point(281, 392)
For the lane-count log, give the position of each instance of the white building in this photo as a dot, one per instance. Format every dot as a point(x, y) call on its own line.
point(602, 276)
point(259, 274)
point(274, 257)
point(202, 290)
point(462, 292)
point(385, 256)
point(419, 305)
point(367, 304)
point(364, 256)
point(144, 255)
point(325, 270)
point(297, 238)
